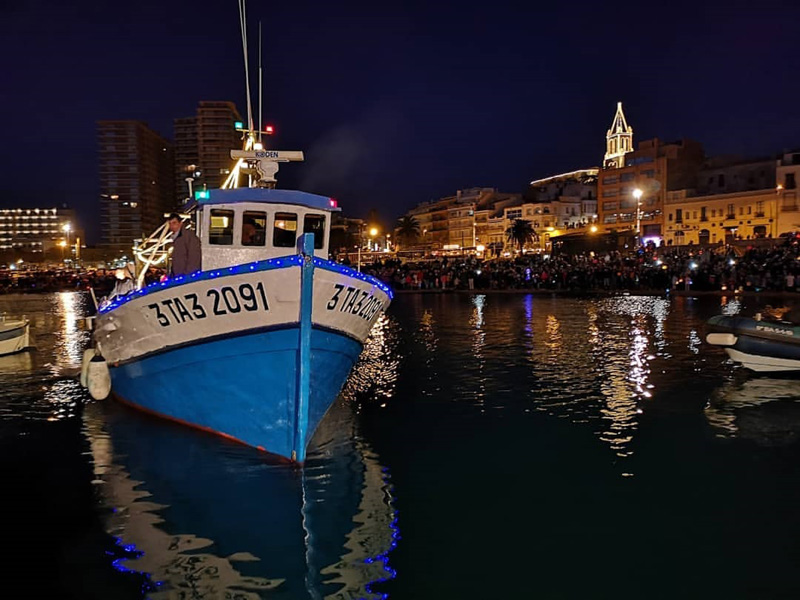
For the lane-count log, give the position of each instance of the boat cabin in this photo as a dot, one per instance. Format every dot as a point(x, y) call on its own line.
point(244, 225)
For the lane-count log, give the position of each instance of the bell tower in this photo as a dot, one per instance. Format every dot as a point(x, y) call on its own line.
point(619, 141)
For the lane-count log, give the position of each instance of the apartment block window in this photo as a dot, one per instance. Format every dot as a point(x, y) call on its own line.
point(626, 177)
point(721, 180)
point(731, 211)
point(760, 208)
point(789, 182)
point(679, 215)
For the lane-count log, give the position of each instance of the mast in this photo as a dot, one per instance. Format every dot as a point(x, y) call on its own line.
point(260, 88)
point(243, 25)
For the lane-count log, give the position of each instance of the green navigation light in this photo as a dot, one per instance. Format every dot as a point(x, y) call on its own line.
point(238, 125)
point(201, 195)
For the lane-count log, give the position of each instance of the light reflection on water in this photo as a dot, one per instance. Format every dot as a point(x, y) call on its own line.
point(39, 384)
point(760, 408)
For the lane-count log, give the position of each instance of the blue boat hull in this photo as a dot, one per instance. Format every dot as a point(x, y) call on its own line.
point(241, 387)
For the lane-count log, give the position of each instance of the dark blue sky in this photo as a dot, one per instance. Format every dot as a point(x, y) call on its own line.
point(395, 103)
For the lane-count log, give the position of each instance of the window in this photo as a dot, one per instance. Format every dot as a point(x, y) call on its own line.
point(626, 177)
point(609, 206)
point(315, 224)
point(760, 208)
point(609, 179)
point(721, 180)
point(285, 230)
point(679, 215)
point(649, 173)
point(254, 228)
point(789, 182)
point(220, 231)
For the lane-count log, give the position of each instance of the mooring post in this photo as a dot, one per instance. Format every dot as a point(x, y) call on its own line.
point(306, 251)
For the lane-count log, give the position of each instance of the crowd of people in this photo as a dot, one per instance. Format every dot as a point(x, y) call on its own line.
point(648, 269)
point(659, 269)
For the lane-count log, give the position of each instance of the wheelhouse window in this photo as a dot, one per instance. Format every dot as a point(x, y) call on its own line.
point(315, 224)
point(284, 233)
point(254, 228)
point(220, 231)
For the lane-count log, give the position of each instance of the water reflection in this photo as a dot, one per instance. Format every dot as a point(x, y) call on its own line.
point(208, 519)
point(375, 373)
point(72, 338)
point(478, 345)
point(622, 332)
point(760, 408)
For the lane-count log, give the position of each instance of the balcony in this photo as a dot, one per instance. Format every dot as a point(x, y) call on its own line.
point(759, 214)
point(730, 216)
point(704, 218)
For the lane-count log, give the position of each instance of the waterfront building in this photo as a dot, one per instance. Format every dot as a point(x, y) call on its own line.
point(554, 205)
point(37, 230)
point(733, 199)
point(715, 218)
point(203, 145)
point(655, 168)
point(462, 222)
point(787, 176)
point(136, 182)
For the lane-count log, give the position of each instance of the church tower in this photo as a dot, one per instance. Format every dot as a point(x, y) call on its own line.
point(619, 141)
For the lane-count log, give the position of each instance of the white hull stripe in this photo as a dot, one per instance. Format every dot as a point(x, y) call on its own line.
point(262, 265)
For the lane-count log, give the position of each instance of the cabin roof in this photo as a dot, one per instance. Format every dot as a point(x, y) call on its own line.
point(269, 196)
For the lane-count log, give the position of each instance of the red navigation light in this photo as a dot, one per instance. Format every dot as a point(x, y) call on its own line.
point(269, 129)
point(333, 202)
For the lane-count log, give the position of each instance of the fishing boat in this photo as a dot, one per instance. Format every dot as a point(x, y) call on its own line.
point(758, 344)
point(14, 335)
point(257, 343)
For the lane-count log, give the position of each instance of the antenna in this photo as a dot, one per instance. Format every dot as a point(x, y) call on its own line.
point(243, 25)
point(260, 89)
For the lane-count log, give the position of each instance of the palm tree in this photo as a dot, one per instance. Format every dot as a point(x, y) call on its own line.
point(407, 230)
point(520, 233)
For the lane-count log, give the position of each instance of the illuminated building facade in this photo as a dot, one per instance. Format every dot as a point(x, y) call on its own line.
point(37, 230)
point(136, 182)
point(787, 175)
point(654, 168)
point(733, 199)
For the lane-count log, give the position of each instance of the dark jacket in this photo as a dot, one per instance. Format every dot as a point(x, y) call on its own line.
point(186, 254)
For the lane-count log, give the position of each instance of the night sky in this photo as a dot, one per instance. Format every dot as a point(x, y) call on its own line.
point(394, 103)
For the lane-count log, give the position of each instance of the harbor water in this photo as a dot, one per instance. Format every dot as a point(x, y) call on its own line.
point(485, 446)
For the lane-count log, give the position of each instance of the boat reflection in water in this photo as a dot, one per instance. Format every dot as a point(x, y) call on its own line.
point(209, 519)
point(763, 409)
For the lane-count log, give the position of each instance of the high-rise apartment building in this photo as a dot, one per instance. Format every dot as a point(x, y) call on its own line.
point(136, 181)
point(187, 159)
point(38, 230)
point(203, 145)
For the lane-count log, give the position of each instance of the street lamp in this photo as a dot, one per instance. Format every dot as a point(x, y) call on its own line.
point(66, 228)
point(637, 194)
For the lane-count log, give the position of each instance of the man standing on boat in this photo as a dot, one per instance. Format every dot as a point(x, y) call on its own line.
point(186, 252)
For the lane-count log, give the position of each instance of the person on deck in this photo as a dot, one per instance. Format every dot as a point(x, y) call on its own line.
point(186, 252)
